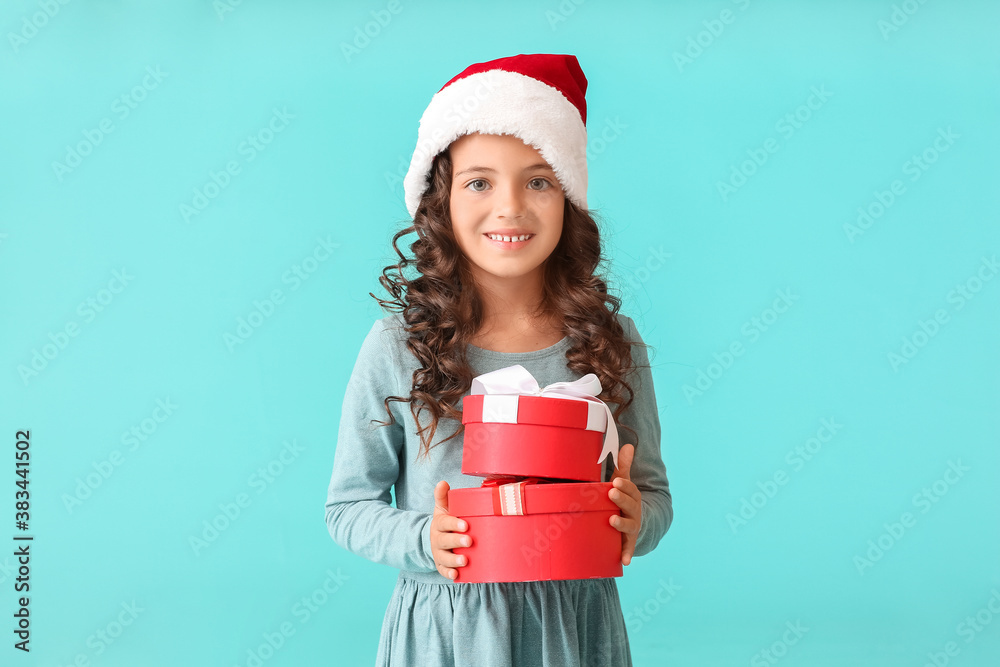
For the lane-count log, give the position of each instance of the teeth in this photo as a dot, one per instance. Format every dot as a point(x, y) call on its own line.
point(508, 239)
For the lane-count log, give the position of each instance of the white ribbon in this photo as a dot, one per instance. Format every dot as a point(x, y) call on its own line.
point(516, 381)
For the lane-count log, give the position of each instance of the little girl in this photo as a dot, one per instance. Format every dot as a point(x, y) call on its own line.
point(504, 267)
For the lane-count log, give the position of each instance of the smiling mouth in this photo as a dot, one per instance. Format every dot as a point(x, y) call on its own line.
point(513, 242)
point(509, 241)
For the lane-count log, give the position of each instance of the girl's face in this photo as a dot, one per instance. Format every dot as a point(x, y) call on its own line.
point(502, 187)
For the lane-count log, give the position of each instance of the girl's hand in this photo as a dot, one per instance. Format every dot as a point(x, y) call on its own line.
point(626, 495)
point(444, 537)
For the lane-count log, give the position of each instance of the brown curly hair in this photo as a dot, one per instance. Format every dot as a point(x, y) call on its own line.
point(443, 311)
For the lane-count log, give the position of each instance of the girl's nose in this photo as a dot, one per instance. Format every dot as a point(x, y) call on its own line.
point(509, 202)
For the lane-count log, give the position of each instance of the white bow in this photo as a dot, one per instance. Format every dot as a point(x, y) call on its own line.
point(517, 380)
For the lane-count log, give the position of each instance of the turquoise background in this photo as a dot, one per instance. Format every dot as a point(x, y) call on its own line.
point(694, 267)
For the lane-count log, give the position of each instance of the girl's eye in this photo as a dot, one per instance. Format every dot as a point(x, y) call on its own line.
point(546, 185)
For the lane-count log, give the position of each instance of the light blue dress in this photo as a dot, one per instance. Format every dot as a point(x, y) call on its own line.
point(432, 621)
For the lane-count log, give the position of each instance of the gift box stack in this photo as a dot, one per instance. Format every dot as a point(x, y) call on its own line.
point(542, 511)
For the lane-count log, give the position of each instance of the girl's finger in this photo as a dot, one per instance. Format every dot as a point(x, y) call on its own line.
point(454, 541)
point(628, 487)
point(446, 523)
point(449, 559)
point(627, 554)
point(625, 525)
point(628, 548)
point(628, 504)
point(624, 469)
point(441, 497)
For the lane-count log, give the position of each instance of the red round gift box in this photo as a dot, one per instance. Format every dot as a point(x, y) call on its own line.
point(564, 533)
point(549, 440)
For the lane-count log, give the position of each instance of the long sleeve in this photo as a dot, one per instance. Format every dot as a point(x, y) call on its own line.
point(648, 470)
point(366, 464)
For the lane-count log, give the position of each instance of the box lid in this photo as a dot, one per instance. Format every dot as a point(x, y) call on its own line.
point(544, 410)
point(542, 498)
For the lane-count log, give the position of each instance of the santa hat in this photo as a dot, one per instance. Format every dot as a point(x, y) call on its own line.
point(537, 97)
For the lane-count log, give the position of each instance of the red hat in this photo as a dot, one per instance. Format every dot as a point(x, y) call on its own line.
point(538, 98)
